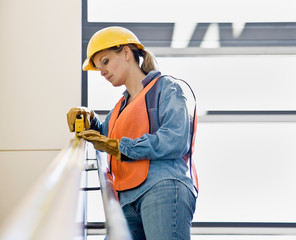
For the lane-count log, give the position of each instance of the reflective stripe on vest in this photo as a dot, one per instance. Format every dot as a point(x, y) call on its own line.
point(132, 122)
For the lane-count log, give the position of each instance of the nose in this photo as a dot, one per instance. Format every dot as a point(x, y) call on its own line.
point(103, 72)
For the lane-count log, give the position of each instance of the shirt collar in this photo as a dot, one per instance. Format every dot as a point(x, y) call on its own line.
point(147, 79)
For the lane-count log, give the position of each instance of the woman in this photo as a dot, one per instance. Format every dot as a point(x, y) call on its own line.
point(148, 136)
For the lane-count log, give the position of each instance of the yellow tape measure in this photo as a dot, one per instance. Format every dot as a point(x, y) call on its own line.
point(79, 124)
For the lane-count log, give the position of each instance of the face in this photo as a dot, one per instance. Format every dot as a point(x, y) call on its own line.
point(113, 66)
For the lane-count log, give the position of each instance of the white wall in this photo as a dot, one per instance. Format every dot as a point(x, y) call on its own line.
point(40, 61)
point(246, 172)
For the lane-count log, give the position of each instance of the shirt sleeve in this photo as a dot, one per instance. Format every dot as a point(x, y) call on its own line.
point(172, 138)
point(102, 127)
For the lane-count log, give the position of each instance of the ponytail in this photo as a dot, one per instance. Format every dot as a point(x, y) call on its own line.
point(149, 62)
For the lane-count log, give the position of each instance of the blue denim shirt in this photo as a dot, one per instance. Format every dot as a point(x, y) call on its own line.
point(167, 142)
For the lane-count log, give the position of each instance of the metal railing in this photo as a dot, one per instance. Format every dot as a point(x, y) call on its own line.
point(116, 224)
point(55, 207)
point(50, 208)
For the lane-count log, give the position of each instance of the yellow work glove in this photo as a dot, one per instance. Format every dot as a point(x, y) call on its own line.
point(72, 114)
point(101, 142)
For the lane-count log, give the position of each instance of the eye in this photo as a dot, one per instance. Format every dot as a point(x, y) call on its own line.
point(106, 61)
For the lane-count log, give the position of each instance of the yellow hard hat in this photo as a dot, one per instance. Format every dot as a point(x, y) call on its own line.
point(107, 38)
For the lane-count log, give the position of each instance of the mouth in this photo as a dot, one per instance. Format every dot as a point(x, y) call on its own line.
point(109, 78)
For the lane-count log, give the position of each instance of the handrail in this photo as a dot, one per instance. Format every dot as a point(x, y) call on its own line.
point(116, 224)
point(49, 209)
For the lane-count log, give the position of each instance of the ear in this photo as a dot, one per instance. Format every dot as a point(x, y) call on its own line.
point(127, 52)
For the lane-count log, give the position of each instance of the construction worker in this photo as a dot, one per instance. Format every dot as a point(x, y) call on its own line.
point(147, 136)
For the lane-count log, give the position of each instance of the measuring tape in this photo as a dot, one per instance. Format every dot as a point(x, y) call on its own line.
point(79, 124)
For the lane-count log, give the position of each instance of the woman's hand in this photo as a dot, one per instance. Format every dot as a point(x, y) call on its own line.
point(74, 112)
point(101, 142)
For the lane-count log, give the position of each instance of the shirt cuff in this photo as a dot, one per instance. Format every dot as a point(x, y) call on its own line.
point(124, 147)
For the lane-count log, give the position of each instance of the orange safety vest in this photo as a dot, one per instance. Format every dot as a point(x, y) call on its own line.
point(132, 122)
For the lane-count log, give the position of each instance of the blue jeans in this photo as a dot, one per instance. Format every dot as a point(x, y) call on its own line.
point(164, 212)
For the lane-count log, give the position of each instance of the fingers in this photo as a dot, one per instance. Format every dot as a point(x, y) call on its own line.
point(88, 133)
point(72, 114)
point(86, 121)
point(92, 135)
point(101, 142)
point(85, 134)
point(88, 116)
point(71, 117)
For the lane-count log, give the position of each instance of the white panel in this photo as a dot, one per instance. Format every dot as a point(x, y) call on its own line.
point(240, 237)
point(237, 82)
point(40, 71)
point(193, 10)
point(246, 172)
point(95, 207)
point(90, 237)
point(101, 94)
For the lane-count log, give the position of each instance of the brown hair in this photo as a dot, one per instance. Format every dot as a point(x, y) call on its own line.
point(149, 62)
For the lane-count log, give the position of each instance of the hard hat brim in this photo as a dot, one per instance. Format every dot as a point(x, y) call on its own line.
point(88, 65)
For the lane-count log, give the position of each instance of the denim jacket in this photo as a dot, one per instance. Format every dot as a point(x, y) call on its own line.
point(168, 139)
